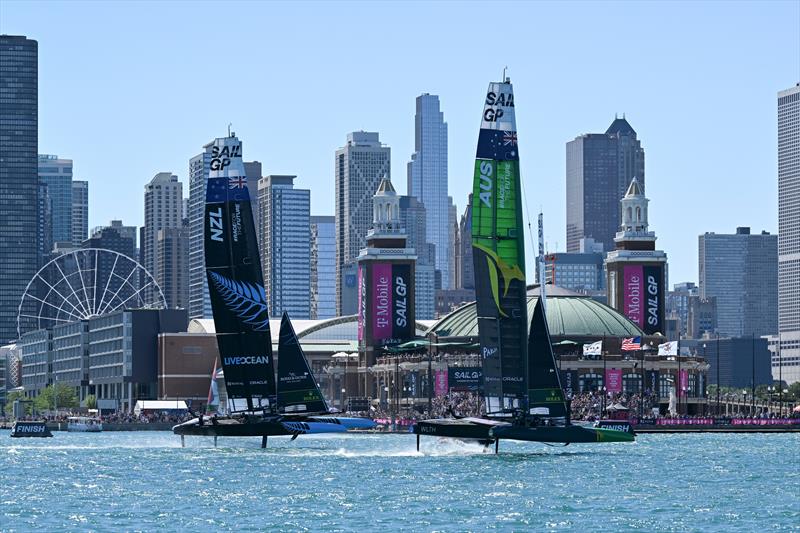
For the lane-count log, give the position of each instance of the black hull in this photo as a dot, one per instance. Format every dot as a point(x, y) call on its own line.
point(458, 428)
point(232, 427)
point(561, 434)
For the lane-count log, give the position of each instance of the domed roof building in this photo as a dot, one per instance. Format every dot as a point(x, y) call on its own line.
point(569, 315)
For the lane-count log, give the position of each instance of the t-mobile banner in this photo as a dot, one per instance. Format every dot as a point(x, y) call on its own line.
point(684, 383)
point(362, 301)
point(632, 294)
point(653, 300)
point(614, 380)
point(440, 383)
point(381, 301)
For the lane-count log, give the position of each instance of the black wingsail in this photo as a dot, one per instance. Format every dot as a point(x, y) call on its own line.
point(297, 389)
point(235, 283)
point(544, 384)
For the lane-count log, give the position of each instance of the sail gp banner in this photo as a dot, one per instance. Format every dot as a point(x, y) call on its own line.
point(465, 378)
point(642, 297)
point(392, 318)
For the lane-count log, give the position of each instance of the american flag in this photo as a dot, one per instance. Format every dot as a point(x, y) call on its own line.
point(510, 138)
point(238, 182)
point(631, 343)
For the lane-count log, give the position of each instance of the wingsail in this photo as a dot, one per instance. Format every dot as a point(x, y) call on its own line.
point(235, 282)
point(545, 395)
point(499, 254)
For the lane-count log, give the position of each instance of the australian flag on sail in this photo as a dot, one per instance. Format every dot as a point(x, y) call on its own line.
point(631, 343)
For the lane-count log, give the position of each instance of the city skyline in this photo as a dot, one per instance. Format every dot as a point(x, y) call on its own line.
point(554, 104)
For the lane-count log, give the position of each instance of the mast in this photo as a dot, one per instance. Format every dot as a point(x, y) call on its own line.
point(235, 283)
point(540, 260)
point(499, 254)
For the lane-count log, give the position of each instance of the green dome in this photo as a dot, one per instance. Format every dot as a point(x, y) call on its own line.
point(568, 315)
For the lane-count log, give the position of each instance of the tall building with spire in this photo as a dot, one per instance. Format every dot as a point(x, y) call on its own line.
point(636, 270)
point(19, 134)
point(600, 166)
point(360, 165)
point(427, 180)
point(789, 234)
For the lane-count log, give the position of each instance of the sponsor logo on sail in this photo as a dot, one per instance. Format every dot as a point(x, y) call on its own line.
point(246, 360)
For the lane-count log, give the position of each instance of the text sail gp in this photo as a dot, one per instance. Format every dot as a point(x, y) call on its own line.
point(235, 283)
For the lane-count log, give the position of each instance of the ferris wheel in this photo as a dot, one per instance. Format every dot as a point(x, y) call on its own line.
point(83, 284)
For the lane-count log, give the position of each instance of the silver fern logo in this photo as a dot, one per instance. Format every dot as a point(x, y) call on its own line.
point(246, 300)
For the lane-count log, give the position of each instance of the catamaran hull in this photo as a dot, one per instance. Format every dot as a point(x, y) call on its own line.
point(457, 428)
point(232, 427)
point(560, 434)
point(347, 422)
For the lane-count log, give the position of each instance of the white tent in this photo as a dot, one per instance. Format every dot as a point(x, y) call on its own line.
point(159, 405)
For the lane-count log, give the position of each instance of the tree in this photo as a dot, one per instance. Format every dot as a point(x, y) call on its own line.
point(91, 402)
point(60, 396)
point(11, 397)
point(794, 390)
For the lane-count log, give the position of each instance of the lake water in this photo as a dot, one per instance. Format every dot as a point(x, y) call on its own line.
point(146, 481)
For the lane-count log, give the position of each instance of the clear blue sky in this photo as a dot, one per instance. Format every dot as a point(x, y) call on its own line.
point(131, 89)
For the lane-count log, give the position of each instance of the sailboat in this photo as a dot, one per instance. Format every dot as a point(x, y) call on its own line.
point(240, 310)
point(522, 390)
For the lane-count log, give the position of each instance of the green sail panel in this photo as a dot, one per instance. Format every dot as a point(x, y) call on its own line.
point(499, 254)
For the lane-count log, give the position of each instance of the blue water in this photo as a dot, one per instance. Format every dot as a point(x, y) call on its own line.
point(146, 481)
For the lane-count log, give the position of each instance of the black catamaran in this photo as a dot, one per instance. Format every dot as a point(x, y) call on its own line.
point(522, 389)
point(258, 407)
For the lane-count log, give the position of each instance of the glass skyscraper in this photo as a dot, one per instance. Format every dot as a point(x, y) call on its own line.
point(80, 211)
point(57, 175)
point(285, 245)
point(427, 181)
point(360, 166)
point(741, 271)
point(413, 218)
point(323, 267)
point(600, 166)
point(19, 182)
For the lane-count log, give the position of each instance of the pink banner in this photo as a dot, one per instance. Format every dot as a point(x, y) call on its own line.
point(684, 383)
point(633, 296)
point(361, 302)
point(685, 422)
point(381, 301)
point(614, 380)
point(440, 383)
point(764, 421)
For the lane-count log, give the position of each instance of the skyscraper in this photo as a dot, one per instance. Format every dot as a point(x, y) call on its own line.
point(600, 166)
point(789, 231)
point(199, 168)
point(18, 175)
point(323, 267)
point(163, 205)
point(467, 276)
point(413, 220)
point(285, 238)
point(172, 260)
point(427, 180)
point(80, 211)
point(740, 270)
point(57, 175)
point(45, 225)
point(359, 167)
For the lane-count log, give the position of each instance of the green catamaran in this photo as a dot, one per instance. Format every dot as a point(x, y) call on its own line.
point(522, 389)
